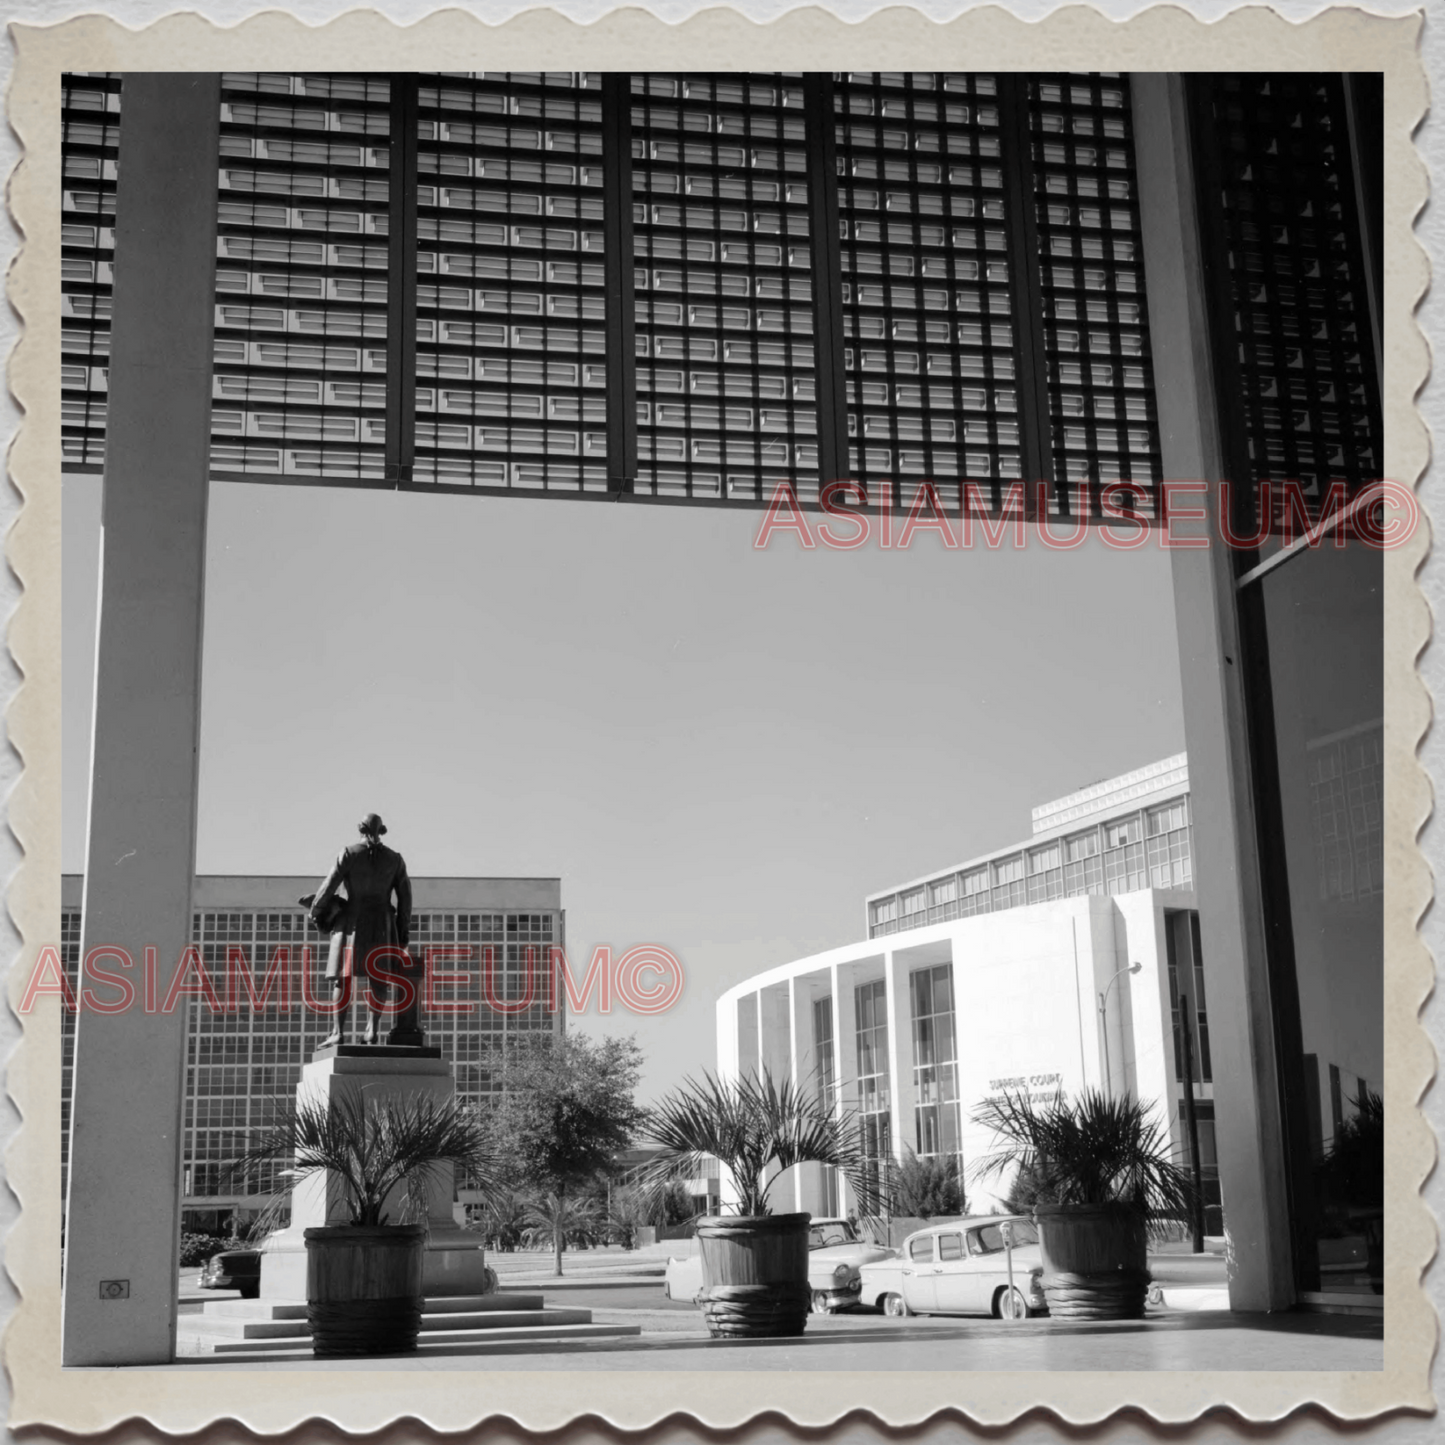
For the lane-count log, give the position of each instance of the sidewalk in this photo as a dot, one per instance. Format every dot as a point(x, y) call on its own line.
point(1217, 1340)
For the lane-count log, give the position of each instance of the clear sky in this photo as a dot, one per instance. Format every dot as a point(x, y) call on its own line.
point(715, 748)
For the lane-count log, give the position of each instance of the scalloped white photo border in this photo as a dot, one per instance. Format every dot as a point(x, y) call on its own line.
point(183, 1399)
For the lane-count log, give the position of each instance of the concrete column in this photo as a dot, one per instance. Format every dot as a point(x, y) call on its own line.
point(776, 1063)
point(845, 1054)
point(123, 1210)
point(1250, 1132)
point(801, 1054)
point(775, 1032)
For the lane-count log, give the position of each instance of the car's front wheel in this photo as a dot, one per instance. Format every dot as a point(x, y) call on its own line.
point(820, 1303)
point(895, 1306)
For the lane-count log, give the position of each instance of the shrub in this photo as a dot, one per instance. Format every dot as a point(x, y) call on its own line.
point(923, 1188)
point(196, 1249)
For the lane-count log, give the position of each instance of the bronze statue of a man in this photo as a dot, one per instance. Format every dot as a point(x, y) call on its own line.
point(366, 921)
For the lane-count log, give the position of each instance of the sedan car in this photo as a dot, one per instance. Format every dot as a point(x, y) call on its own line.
point(234, 1269)
point(881, 1285)
point(962, 1268)
point(836, 1253)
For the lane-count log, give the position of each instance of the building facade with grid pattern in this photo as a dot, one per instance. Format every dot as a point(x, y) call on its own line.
point(1120, 836)
point(243, 1064)
point(669, 286)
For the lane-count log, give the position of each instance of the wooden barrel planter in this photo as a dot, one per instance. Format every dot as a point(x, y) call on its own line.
point(755, 1275)
point(1095, 1261)
point(363, 1288)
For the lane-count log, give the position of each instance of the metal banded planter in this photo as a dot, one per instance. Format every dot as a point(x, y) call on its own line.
point(755, 1274)
point(1095, 1261)
point(363, 1288)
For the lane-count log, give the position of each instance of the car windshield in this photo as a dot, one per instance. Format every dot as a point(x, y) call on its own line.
point(990, 1237)
point(837, 1231)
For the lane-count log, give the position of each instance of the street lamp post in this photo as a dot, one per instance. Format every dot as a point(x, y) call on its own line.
point(1104, 1022)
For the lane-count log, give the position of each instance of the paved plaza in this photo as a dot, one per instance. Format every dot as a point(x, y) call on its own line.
point(623, 1289)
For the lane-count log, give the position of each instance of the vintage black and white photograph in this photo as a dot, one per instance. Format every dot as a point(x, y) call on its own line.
point(718, 720)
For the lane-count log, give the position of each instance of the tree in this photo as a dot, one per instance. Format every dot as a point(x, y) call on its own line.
point(922, 1188)
point(566, 1108)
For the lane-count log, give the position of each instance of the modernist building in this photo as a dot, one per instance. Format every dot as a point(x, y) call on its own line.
point(685, 288)
point(1011, 971)
point(1071, 961)
point(243, 1066)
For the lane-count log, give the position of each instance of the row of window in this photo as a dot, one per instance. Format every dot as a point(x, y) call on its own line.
point(244, 1066)
point(1150, 849)
point(511, 220)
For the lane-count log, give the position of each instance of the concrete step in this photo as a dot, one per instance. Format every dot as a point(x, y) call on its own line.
point(261, 1309)
point(219, 1327)
point(452, 1340)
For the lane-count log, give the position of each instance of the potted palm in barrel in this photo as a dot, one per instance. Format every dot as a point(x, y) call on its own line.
point(364, 1275)
point(754, 1262)
point(1101, 1174)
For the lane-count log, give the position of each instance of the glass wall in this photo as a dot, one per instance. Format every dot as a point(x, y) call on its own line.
point(875, 1096)
point(935, 1062)
point(1151, 848)
point(1321, 635)
point(1285, 170)
point(827, 1078)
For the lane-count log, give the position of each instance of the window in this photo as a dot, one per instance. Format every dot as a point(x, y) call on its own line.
point(943, 899)
point(1186, 975)
point(1046, 874)
point(1008, 883)
point(921, 1249)
point(724, 286)
point(1124, 856)
point(874, 1091)
point(510, 282)
point(885, 916)
point(823, 1048)
point(935, 1062)
point(1083, 866)
point(928, 301)
point(302, 316)
point(950, 1246)
point(975, 893)
point(1169, 846)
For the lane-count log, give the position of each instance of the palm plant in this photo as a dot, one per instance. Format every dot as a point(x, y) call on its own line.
point(748, 1125)
point(1094, 1151)
point(373, 1148)
point(565, 1217)
point(503, 1220)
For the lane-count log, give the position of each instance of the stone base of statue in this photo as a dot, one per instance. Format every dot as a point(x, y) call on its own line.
point(454, 1263)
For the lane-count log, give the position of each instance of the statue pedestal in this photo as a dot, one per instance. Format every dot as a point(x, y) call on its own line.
point(454, 1263)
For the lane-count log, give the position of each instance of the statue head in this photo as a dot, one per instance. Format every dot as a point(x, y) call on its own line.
point(371, 826)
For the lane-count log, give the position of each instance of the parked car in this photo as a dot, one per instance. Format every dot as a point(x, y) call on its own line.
point(961, 1268)
point(835, 1256)
point(234, 1269)
point(881, 1285)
